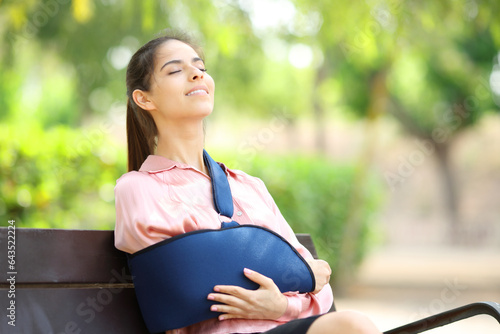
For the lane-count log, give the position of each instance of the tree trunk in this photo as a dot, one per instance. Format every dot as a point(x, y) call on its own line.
point(449, 191)
point(350, 246)
point(319, 125)
point(322, 73)
point(444, 171)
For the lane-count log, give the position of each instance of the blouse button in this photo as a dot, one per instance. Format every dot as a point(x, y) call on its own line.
point(239, 213)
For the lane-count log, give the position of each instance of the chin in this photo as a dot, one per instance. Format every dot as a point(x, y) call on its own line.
point(207, 113)
point(207, 110)
point(202, 114)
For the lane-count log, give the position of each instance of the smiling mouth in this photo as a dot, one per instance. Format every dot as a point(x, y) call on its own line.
point(198, 91)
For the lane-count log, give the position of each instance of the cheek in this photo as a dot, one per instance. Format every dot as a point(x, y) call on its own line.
point(170, 89)
point(210, 82)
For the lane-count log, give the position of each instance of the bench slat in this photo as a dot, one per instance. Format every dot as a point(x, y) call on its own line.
point(307, 242)
point(61, 311)
point(66, 256)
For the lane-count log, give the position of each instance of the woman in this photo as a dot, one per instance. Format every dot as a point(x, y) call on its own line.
point(168, 192)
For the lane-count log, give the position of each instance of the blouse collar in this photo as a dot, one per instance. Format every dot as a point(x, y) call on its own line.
point(157, 164)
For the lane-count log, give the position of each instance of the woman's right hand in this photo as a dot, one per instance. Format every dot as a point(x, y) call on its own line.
point(267, 302)
point(322, 271)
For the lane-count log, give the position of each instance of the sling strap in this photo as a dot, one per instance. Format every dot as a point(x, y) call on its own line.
point(223, 200)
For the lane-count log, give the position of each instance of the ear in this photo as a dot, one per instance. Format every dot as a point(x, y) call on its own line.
point(141, 98)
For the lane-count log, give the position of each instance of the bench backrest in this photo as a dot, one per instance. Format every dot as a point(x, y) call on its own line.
point(71, 281)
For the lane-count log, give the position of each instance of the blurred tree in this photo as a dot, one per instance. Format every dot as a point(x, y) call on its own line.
point(426, 64)
point(447, 57)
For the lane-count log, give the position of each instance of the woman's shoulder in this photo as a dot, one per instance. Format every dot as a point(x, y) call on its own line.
point(237, 173)
point(132, 180)
point(243, 177)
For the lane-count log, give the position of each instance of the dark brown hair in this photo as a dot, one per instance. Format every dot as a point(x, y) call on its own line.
point(141, 128)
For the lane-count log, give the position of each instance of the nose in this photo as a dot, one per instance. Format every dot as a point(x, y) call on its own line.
point(197, 74)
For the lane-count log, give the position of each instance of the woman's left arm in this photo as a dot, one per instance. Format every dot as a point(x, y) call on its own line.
point(267, 302)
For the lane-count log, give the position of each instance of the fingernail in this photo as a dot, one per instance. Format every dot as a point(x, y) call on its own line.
point(213, 308)
point(222, 318)
point(247, 271)
point(216, 289)
point(211, 297)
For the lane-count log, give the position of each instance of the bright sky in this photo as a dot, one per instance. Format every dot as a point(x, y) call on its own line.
point(495, 77)
point(266, 14)
point(269, 15)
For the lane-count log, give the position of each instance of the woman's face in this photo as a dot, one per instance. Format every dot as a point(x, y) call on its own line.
point(180, 87)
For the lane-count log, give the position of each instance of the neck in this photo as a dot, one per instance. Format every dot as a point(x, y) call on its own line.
point(183, 143)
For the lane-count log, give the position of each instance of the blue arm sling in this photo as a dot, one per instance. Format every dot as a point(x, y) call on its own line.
point(173, 278)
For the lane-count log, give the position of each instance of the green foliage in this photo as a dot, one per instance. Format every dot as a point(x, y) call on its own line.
point(93, 41)
point(446, 46)
point(451, 43)
point(318, 197)
point(58, 178)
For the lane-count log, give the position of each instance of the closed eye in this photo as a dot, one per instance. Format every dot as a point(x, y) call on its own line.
point(177, 71)
point(195, 60)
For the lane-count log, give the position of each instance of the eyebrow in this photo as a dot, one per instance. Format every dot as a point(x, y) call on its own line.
point(178, 61)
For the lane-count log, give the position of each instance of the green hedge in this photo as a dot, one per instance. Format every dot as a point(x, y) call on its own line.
point(59, 177)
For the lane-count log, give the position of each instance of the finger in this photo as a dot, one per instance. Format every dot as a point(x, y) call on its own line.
point(227, 316)
point(258, 278)
point(327, 266)
point(221, 308)
point(227, 299)
point(232, 312)
point(230, 290)
point(233, 308)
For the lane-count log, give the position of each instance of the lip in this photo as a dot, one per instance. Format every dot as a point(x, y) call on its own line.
point(198, 88)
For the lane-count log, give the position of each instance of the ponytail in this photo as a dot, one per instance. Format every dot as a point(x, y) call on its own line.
point(141, 134)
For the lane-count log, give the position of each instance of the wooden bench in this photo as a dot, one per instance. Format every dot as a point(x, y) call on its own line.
point(75, 281)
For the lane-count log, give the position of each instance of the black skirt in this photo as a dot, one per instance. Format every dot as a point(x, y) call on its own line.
point(297, 326)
